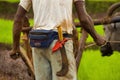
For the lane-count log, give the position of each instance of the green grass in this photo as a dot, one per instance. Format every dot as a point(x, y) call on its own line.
point(95, 67)
point(12, 1)
point(105, 0)
point(6, 31)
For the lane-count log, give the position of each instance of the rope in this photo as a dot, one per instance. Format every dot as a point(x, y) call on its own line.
point(114, 41)
point(90, 45)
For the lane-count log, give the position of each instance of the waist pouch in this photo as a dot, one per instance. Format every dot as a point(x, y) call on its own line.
point(42, 38)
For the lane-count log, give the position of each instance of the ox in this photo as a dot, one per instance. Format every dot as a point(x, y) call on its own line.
point(112, 33)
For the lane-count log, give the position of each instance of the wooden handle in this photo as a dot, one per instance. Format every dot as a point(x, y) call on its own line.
point(60, 33)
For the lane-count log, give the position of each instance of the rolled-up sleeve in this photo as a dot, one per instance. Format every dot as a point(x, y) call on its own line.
point(78, 0)
point(26, 4)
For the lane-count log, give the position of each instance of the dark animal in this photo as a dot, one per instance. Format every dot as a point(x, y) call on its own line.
point(112, 33)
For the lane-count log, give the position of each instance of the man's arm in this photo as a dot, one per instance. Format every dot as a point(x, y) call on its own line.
point(17, 27)
point(86, 21)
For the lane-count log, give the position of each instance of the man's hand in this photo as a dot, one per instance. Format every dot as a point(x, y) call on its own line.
point(100, 40)
point(15, 53)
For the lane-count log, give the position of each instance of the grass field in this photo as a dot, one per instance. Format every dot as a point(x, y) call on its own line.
point(95, 67)
point(11, 0)
point(6, 31)
point(92, 67)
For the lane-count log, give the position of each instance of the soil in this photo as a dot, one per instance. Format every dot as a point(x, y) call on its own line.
point(11, 69)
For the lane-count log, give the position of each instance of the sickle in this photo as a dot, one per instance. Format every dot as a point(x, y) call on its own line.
point(64, 68)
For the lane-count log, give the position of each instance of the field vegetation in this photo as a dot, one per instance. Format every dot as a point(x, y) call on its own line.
point(12, 1)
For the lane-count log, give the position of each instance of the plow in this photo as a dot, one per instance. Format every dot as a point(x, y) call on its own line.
point(79, 45)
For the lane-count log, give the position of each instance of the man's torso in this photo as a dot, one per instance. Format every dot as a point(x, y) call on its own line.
point(48, 14)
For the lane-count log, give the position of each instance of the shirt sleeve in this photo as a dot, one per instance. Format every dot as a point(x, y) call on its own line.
point(78, 0)
point(26, 4)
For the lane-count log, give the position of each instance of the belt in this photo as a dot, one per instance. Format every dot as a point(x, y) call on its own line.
point(67, 35)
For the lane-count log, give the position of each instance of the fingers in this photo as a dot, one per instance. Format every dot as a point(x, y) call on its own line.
point(14, 54)
point(100, 41)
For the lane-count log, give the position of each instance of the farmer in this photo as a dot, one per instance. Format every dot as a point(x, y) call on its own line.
point(49, 15)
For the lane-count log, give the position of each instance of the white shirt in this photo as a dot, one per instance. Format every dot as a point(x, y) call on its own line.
point(49, 14)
